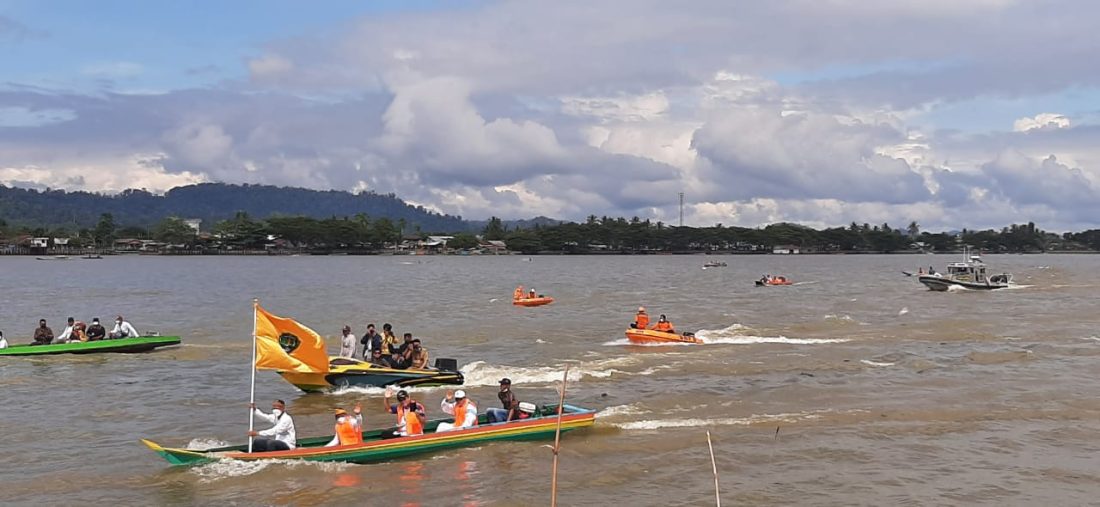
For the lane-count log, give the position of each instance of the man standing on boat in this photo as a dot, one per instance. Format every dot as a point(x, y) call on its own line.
point(279, 437)
point(347, 343)
point(371, 341)
point(410, 414)
point(43, 335)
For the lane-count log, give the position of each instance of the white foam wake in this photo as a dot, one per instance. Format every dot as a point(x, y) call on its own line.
point(873, 363)
point(695, 422)
point(480, 373)
point(226, 468)
point(198, 444)
point(733, 334)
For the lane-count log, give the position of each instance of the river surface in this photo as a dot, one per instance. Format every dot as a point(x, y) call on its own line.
point(856, 386)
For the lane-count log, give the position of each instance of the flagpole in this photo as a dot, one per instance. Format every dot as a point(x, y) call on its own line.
point(252, 389)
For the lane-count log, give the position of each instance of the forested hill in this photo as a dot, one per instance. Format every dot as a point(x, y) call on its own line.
point(211, 202)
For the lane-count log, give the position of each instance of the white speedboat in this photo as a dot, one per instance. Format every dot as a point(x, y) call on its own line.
point(970, 274)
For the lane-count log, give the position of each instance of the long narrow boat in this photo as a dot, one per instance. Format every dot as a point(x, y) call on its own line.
point(346, 372)
point(125, 345)
point(654, 337)
point(374, 448)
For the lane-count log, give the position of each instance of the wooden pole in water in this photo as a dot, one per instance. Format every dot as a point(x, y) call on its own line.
point(714, 468)
point(557, 442)
point(252, 390)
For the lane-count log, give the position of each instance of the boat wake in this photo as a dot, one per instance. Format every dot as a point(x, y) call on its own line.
point(734, 335)
point(228, 468)
point(205, 443)
point(769, 419)
point(480, 373)
point(868, 362)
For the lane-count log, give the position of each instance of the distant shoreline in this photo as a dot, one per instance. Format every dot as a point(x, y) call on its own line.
point(55, 253)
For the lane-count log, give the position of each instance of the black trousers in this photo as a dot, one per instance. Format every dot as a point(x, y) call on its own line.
point(268, 444)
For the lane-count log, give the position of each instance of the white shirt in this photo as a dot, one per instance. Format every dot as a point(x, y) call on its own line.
point(124, 329)
point(3, 342)
point(358, 425)
point(283, 430)
point(471, 412)
point(65, 335)
point(347, 345)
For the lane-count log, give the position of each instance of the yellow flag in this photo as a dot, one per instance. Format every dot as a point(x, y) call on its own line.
point(284, 344)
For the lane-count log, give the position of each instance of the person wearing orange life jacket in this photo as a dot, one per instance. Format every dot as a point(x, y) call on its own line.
point(464, 410)
point(641, 319)
point(410, 414)
point(349, 430)
point(663, 325)
point(518, 293)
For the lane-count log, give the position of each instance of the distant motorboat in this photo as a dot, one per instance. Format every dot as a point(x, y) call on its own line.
point(714, 264)
point(969, 274)
point(54, 258)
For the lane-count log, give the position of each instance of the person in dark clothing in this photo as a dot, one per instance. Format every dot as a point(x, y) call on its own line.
point(96, 331)
point(508, 400)
point(371, 341)
point(43, 335)
point(376, 358)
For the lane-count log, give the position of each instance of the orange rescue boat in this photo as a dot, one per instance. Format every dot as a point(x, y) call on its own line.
point(653, 337)
point(539, 301)
point(777, 280)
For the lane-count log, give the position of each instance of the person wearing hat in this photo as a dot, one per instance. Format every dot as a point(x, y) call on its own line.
point(348, 430)
point(410, 414)
point(641, 319)
point(462, 408)
point(279, 437)
point(508, 400)
point(123, 329)
point(96, 331)
point(347, 343)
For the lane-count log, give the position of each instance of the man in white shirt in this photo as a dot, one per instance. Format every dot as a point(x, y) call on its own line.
point(123, 329)
point(67, 334)
point(3, 341)
point(279, 437)
point(464, 410)
point(347, 343)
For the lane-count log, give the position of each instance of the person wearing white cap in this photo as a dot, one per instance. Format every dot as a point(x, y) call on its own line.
point(464, 409)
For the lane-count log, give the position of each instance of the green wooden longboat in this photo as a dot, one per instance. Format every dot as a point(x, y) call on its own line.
point(374, 448)
point(127, 345)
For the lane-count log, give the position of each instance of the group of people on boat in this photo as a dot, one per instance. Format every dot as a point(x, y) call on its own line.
point(519, 294)
point(411, 418)
point(384, 349)
point(641, 321)
point(773, 280)
point(78, 331)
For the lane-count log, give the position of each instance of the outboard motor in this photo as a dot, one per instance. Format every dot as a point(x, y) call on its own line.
point(446, 364)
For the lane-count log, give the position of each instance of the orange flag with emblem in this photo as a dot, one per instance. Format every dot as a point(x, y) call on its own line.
point(284, 344)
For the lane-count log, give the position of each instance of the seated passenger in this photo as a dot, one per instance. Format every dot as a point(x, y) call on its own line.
point(531, 295)
point(663, 325)
point(410, 414)
point(123, 329)
point(418, 359)
point(511, 410)
point(349, 430)
point(67, 334)
point(464, 410)
point(3, 341)
point(43, 335)
point(377, 359)
point(96, 331)
point(518, 293)
point(641, 319)
point(279, 437)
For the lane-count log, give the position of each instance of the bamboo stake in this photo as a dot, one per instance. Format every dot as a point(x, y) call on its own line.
point(557, 442)
point(714, 468)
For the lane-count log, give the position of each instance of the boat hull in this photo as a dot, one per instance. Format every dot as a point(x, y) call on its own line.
point(375, 449)
point(533, 301)
point(363, 375)
point(120, 345)
point(651, 337)
point(941, 284)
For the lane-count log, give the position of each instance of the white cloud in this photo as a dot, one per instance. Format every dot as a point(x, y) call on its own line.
point(1041, 121)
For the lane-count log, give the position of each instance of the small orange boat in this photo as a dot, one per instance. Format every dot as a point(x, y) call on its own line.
point(653, 337)
point(539, 301)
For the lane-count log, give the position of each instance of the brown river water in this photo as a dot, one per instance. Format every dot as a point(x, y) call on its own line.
point(856, 386)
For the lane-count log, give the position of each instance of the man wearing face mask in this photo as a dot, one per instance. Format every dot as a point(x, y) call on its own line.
point(279, 437)
point(123, 329)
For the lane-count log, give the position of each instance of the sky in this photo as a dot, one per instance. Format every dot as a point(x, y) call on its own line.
point(950, 113)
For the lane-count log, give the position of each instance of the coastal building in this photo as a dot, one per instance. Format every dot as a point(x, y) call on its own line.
point(785, 249)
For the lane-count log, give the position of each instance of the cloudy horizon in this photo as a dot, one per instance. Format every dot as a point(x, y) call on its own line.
point(950, 113)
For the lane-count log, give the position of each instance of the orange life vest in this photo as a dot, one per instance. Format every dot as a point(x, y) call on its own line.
point(412, 422)
point(665, 326)
point(641, 320)
point(348, 431)
point(460, 413)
